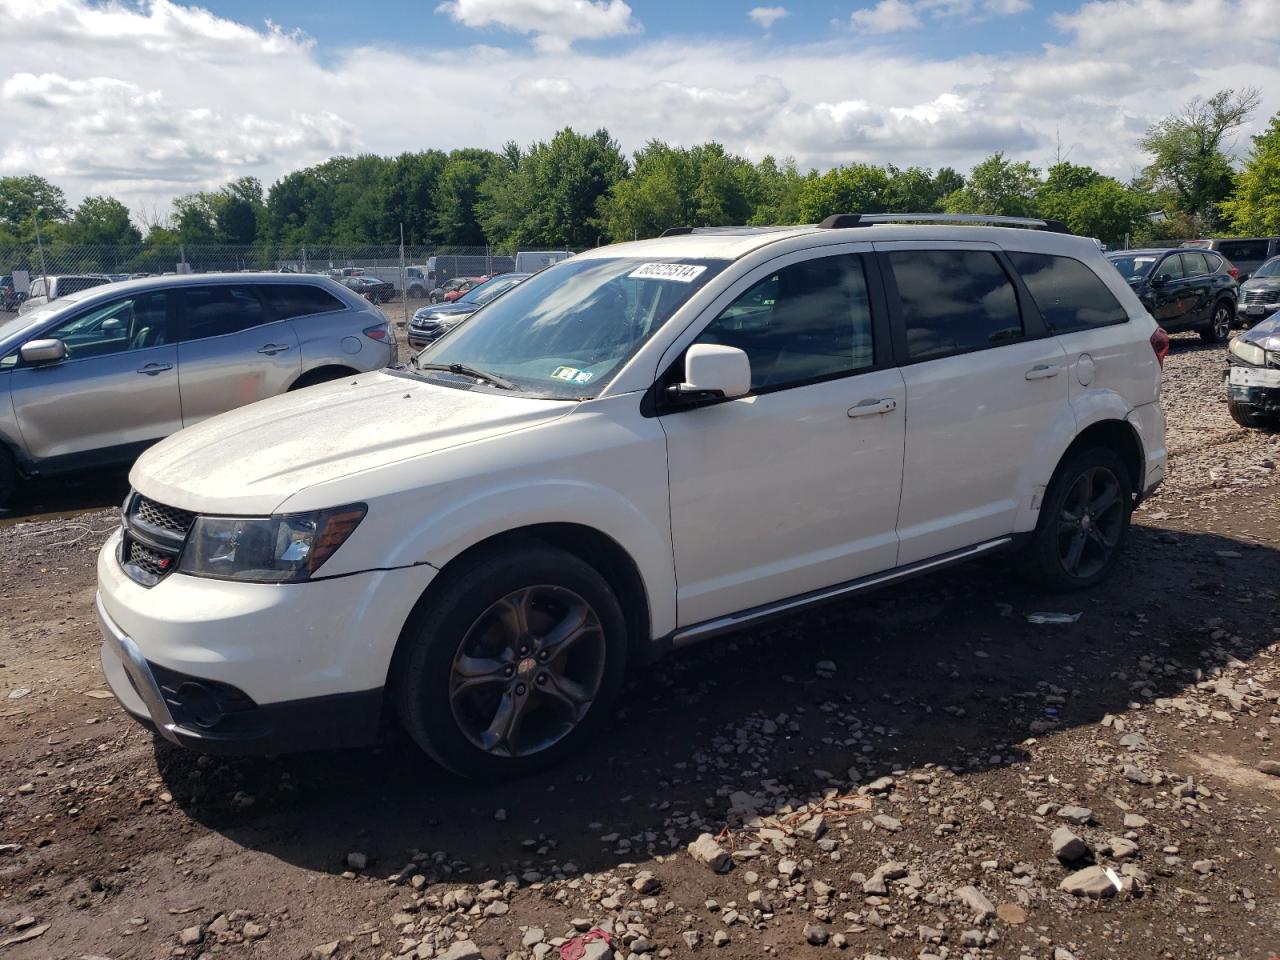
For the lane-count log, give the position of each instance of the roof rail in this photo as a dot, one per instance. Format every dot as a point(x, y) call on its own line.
point(844, 221)
point(676, 231)
point(727, 231)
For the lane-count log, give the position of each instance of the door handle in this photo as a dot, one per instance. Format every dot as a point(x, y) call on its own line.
point(271, 349)
point(1043, 372)
point(151, 369)
point(871, 408)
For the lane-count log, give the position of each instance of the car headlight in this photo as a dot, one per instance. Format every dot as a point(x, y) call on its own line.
point(1250, 353)
point(284, 549)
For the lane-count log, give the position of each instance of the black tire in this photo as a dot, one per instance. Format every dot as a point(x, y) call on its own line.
point(458, 663)
point(1247, 416)
point(1220, 321)
point(417, 293)
point(321, 375)
point(1091, 529)
point(8, 476)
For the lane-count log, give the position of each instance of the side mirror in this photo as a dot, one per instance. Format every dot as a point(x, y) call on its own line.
point(712, 371)
point(1159, 281)
point(41, 352)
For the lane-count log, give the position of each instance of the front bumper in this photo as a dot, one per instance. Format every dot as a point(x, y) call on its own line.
point(232, 667)
point(1262, 397)
point(1254, 313)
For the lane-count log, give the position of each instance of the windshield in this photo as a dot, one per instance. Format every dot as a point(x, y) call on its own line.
point(1134, 267)
point(564, 332)
point(1269, 269)
point(488, 290)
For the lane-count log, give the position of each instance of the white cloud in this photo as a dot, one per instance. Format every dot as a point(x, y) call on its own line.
point(555, 24)
point(154, 101)
point(767, 16)
point(887, 16)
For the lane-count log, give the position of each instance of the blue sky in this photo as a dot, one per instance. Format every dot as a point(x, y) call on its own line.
point(152, 99)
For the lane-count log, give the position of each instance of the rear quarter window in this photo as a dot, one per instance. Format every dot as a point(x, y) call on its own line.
point(290, 300)
point(1070, 295)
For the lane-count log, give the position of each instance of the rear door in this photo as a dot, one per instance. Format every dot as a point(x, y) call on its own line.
point(1169, 300)
point(1198, 281)
point(984, 382)
point(117, 389)
point(233, 349)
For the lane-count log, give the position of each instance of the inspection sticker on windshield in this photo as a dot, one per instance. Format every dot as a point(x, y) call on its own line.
point(572, 374)
point(679, 272)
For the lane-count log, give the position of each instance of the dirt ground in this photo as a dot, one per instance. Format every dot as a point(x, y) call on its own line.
point(887, 775)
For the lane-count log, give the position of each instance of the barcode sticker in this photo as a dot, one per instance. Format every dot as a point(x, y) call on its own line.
point(679, 272)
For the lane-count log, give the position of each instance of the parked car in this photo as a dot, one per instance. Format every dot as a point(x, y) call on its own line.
point(639, 448)
point(1260, 294)
point(45, 289)
point(469, 284)
point(1253, 375)
point(1182, 289)
point(98, 375)
point(531, 261)
point(450, 290)
point(432, 322)
point(419, 281)
point(1246, 253)
point(10, 298)
point(371, 288)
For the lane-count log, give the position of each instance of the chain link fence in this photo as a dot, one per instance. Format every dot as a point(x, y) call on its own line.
point(426, 266)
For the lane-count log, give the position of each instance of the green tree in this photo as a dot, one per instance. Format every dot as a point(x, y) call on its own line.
point(777, 192)
point(457, 193)
point(102, 220)
point(237, 209)
point(1090, 203)
point(1254, 207)
point(999, 187)
point(22, 199)
point(549, 194)
point(1188, 151)
point(856, 188)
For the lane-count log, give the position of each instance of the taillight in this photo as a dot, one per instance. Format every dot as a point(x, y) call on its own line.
point(1160, 344)
point(1235, 272)
point(380, 333)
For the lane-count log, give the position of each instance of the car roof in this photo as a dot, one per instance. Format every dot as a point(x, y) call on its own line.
point(732, 243)
point(1152, 251)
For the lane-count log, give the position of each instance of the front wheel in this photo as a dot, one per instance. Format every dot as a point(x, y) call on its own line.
point(511, 662)
point(8, 477)
point(1219, 329)
point(1247, 416)
point(1083, 521)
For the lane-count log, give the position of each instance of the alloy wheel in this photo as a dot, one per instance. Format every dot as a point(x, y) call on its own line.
point(527, 671)
point(1091, 522)
point(1221, 323)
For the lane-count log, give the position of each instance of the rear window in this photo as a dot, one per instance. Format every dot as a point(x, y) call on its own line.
point(289, 300)
point(954, 301)
point(1195, 265)
point(1070, 295)
point(1235, 250)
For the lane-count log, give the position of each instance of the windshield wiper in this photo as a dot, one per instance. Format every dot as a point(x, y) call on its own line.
point(472, 372)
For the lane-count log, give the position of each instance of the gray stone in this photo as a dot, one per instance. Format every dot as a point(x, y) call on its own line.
point(1091, 882)
point(976, 901)
point(254, 931)
point(1270, 767)
point(710, 854)
point(1067, 847)
point(325, 950)
point(972, 938)
point(646, 882)
point(1077, 815)
point(1121, 848)
point(813, 828)
point(357, 861)
point(816, 934)
point(1204, 867)
point(461, 950)
point(886, 822)
point(720, 938)
point(191, 936)
point(531, 936)
point(1135, 821)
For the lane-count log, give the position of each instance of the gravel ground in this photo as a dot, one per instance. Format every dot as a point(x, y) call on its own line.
point(923, 773)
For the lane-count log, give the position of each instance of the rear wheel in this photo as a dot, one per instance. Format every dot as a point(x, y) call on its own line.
point(1219, 329)
point(1083, 520)
point(512, 664)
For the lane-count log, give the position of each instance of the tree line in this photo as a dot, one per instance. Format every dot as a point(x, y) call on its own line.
point(577, 190)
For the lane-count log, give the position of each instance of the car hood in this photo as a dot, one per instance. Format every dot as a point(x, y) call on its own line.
point(1261, 283)
point(251, 460)
point(1265, 334)
point(446, 311)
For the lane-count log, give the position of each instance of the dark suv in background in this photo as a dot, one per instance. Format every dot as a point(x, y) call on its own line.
point(1247, 253)
point(1183, 289)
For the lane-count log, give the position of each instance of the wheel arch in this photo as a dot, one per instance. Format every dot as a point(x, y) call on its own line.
point(594, 547)
point(321, 374)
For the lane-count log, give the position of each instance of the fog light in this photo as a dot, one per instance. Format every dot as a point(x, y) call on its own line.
point(200, 704)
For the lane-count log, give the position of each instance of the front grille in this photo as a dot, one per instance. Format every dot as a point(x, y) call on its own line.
point(166, 518)
point(151, 561)
point(154, 535)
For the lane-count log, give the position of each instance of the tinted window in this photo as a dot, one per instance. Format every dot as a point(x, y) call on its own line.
point(954, 301)
point(217, 310)
point(1194, 265)
point(1243, 249)
point(1070, 295)
point(132, 323)
point(807, 321)
point(299, 300)
point(1170, 268)
point(1214, 263)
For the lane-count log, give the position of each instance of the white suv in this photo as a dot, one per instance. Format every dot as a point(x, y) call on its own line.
point(641, 447)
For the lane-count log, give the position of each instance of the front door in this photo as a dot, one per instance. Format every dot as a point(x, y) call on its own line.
point(116, 391)
point(793, 487)
point(984, 385)
point(233, 350)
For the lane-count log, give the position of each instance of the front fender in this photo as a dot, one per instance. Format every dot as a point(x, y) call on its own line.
point(460, 524)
